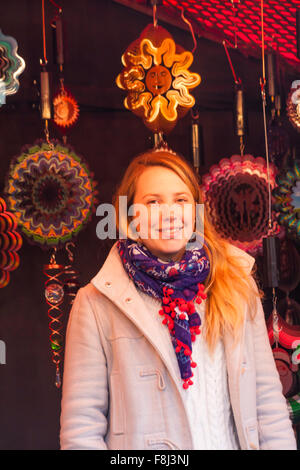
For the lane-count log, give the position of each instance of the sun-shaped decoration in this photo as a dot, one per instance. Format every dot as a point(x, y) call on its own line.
point(11, 66)
point(51, 192)
point(236, 199)
point(293, 105)
point(66, 110)
point(157, 79)
point(287, 199)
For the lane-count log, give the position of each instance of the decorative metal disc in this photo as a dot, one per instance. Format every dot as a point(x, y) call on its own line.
point(11, 66)
point(66, 110)
point(293, 105)
point(236, 198)
point(287, 199)
point(51, 192)
point(157, 79)
point(10, 243)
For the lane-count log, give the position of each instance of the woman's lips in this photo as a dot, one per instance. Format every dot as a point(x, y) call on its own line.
point(171, 230)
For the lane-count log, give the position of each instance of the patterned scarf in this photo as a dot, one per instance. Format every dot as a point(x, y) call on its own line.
point(176, 284)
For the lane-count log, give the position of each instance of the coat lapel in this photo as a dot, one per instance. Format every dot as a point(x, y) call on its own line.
point(113, 281)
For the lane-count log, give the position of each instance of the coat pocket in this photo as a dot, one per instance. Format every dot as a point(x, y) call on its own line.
point(159, 441)
point(252, 433)
point(117, 412)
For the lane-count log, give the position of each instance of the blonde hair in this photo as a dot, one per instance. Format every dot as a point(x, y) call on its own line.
point(227, 281)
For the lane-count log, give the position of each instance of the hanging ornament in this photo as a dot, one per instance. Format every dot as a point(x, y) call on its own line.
point(71, 283)
point(10, 243)
point(289, 265)
point(11, 67)
point(51, 192)
point(66, 110)
point(286, 350)
point(54, 294)
point(293, 105)
point(236, 197)
point(287, 199)
point(157, 78)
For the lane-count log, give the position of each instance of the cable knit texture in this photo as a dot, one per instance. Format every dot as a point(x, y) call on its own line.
point(207, 401)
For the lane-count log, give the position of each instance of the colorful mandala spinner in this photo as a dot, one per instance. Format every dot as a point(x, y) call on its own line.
point(51, 192)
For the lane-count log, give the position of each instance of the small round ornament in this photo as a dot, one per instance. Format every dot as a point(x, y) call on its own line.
point(66, 110)
point(54, 293)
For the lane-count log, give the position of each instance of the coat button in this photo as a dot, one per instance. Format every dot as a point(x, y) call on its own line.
point(108, 284)
point(128, 300)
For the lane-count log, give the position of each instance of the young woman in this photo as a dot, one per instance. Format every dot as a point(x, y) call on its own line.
point(167, 346)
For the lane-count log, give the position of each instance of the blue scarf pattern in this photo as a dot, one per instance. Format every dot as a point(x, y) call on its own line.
point(177, 284)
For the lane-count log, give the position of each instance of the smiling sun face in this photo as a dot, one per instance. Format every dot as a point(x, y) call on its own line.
point(157, 79)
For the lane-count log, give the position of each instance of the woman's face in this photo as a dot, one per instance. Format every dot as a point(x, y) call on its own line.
point(166, 221)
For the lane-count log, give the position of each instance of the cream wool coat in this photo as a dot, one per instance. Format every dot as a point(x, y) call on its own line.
point(121, 381)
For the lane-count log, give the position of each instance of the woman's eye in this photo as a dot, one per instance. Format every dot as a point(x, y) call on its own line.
point(153, 201)
point(182, 200)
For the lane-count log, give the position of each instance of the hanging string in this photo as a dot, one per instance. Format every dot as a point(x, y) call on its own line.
point(263, 95)
point(235, 13)
point(57, 6)
point(237, 81)
point(191, 29)
point(44, 34)
point(154, 15)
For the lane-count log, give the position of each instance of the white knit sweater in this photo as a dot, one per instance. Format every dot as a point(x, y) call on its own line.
point(207, 400)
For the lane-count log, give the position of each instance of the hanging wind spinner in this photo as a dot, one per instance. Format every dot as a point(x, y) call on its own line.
point(10, 244)
point(11, 67)
point(51, 192)
point(293, 105)
point(287, 199)
point(54, 294)
point(157, 79)
point(236, 197)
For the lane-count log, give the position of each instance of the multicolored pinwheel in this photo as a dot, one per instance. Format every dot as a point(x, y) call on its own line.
point(51, 192)
point(236, 198)
point(287, 199)
point(11, 66)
